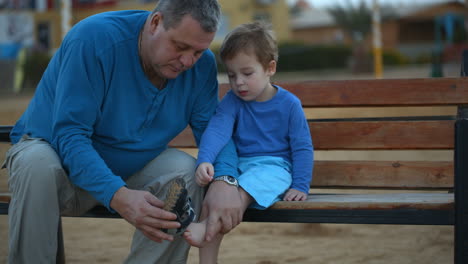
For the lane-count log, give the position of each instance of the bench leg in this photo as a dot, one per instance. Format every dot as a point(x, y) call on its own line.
point(60, 247)
point(461, 187)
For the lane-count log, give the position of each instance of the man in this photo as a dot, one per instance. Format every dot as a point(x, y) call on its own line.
point(119, 88)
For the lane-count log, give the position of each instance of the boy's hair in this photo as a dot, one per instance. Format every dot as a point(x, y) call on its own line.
point(256, 38)
point(206, 12)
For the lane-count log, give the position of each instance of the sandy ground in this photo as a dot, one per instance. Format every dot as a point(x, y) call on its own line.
point(108, 241)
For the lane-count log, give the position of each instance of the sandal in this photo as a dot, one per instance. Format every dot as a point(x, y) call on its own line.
point(178, 202)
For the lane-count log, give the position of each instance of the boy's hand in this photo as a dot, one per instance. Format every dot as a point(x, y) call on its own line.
point(204, 174)
point(295, 195)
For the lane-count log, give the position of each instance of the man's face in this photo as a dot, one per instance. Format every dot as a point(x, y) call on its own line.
point(173, 51)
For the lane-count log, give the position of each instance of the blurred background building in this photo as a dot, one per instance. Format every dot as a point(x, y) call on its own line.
point(409, 29)
point(37, 27)
point(38, 22)
point(310, 38)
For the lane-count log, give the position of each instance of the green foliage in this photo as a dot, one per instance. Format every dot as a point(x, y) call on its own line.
point(299, 57)
point(424, 58)
point(34, 66)
point(393, 57)
point(295, 10)
point(460, 35)
point(357, 20)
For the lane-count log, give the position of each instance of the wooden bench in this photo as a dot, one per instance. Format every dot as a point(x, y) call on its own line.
point(366, 191)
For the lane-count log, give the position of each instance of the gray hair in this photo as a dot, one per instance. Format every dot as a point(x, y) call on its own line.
point(206, 12)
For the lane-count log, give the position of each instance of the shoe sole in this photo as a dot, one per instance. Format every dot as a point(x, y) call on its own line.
point(175, 190)
point(178, 202)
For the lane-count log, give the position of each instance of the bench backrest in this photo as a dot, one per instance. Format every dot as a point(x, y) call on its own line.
point(385, 133)
point(423, 133)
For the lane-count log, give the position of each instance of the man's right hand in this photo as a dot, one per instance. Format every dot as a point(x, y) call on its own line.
point(144, 211)
point(223, 206)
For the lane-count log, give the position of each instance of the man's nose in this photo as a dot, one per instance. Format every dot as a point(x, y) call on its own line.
point(187, 60)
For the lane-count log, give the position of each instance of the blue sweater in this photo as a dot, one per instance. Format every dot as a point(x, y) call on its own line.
point(101, 114)
point(276, 127)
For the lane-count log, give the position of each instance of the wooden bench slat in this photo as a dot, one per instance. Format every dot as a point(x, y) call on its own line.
point(418, 201)
point(379, 174)
point(184, 140)
point(348, 135)
point(422, 201)
point(437, 134)
point(382, 135)
point(387, 92)
point(375, 174)
point(383, 174)
point(5, 197)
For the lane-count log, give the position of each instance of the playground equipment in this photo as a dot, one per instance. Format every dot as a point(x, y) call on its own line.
point(447, 23)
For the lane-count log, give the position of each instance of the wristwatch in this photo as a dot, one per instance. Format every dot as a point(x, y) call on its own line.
point(228, 179)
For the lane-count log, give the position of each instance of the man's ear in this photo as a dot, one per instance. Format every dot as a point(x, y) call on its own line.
point(156, 21)
point(271, 69)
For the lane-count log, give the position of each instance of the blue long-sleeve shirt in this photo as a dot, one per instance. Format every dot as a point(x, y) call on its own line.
point(276, 127)
point(102, 115)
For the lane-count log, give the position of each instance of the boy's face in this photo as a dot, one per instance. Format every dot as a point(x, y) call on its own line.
point(248, 78)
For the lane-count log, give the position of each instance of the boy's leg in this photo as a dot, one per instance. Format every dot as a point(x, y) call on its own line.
point(155, 178)
point(209, 252)
point(40, 191)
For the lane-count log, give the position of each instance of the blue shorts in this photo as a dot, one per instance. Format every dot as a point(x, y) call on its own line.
point(265, 178)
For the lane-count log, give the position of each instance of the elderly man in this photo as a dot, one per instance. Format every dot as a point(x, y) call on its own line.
point(119, 88)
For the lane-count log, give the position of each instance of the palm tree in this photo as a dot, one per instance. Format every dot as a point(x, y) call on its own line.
point(356, 21)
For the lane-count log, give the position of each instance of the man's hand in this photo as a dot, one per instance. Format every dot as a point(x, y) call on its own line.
point(144, 211)
point(223, 206)
point(295, 195)
point(204, 174)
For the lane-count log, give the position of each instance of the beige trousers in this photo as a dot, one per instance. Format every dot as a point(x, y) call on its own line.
point(41, 193)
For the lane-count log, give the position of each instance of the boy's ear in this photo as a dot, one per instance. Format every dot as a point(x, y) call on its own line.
point(271, 70)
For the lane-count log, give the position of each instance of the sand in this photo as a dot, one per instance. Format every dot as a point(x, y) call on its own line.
point(108, 240)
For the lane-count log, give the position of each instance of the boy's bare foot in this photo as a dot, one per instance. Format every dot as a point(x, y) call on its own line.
point(195, 234)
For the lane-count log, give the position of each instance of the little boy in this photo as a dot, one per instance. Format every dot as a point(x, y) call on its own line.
point(267, 125)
